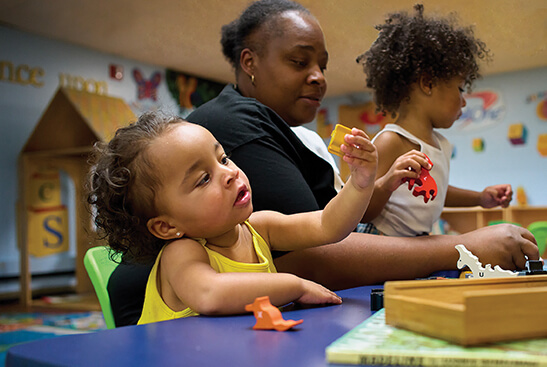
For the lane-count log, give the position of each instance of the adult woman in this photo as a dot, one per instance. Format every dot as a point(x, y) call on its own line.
point(278, 52)
point(279, 55)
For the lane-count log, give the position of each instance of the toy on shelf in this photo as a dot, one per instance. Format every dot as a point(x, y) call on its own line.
point(269, 317)
point(478, 271)
point(337, 139)
point(426, 185)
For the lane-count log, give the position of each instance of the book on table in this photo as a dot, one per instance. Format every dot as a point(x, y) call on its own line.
point(375, 343)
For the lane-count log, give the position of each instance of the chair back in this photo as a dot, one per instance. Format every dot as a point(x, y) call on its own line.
point(539, 230)
point(99, 267)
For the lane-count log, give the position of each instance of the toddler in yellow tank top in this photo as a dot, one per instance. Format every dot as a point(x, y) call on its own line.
point(164, 189)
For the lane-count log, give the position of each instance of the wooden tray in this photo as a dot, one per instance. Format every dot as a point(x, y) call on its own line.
point(470, 311)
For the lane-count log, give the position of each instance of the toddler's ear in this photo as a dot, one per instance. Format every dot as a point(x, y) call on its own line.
point(426, 84)
point(162, 229)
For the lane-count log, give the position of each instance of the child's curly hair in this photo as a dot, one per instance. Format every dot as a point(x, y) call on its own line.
point(408, 47)
point(122, 185)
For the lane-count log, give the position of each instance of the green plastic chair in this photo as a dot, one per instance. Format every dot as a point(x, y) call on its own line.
point(99, 267)
point(539, 230)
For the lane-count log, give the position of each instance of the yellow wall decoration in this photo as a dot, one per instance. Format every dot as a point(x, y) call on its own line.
point(517, 134)
point(541, 110)
point(478, 144)
point(521, 196)
point(21, 74)
point(542, 145)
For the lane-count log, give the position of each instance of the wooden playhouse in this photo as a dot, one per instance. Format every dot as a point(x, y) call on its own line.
point(62, 141)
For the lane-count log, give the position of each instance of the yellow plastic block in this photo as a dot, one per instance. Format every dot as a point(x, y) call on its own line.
point(337, 139)
point(542, 145)
point(478, 144)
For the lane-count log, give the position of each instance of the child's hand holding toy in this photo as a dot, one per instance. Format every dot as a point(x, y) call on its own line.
point(425, 184)
point(356, 149)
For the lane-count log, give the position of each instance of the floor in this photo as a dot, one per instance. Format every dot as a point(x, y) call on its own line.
point(54, 303)
point(47, 317)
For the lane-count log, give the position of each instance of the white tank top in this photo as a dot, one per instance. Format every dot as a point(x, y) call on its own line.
point(406, 215)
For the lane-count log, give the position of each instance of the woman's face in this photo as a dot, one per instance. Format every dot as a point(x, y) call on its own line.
point(289, 74)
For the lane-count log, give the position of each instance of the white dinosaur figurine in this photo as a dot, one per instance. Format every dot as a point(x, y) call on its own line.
point(468, 259)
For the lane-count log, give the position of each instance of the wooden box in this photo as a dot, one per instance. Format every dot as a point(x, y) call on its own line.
point(470, 311)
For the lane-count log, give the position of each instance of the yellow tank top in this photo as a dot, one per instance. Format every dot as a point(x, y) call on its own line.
point(155, 309)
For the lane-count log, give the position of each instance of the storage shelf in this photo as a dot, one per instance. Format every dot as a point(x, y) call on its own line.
point(468, 219)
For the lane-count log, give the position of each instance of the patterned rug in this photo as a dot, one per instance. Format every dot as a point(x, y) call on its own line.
point(18, 328)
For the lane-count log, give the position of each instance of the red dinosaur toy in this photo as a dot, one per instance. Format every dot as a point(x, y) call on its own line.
point(268, 316)
point(426, 184)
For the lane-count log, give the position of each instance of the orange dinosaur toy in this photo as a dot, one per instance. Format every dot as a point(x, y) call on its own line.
point(269, 317)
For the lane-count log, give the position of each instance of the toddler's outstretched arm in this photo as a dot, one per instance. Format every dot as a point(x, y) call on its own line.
point(490, 197)
point(340, 216)
point(188, 280)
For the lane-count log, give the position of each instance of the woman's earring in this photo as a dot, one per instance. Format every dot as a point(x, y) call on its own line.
point(252, 79)
point(178, 234)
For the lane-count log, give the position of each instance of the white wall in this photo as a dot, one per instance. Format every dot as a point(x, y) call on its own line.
point(502, 162)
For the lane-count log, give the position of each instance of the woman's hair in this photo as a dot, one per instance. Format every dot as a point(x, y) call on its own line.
point(409, 47)
point(263, 13)
point(122, 186)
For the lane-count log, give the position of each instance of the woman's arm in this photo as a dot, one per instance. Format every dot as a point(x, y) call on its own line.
point(364, 259)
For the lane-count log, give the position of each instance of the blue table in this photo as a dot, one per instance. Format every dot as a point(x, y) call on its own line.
point(204, 341)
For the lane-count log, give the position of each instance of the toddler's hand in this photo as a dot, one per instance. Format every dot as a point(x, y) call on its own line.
point(493, 196)
point(406, 166)
point(362, 157)
point(317, 294)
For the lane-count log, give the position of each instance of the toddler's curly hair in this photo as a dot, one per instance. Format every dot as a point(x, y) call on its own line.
point(408, 47)
point(122, 185)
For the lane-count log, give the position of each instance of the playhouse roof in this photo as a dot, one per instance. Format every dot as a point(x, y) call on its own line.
point(77, 119)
